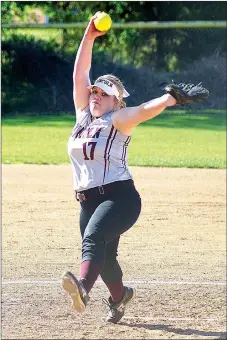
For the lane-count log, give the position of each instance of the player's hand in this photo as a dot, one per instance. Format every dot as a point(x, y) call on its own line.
point(91, 31)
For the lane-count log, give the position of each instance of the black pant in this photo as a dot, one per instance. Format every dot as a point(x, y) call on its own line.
point(105, 215)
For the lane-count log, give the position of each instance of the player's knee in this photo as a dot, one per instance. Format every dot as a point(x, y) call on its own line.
point(93, 242)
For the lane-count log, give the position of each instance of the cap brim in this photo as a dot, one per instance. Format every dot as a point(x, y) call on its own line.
point(103, 87)
point(111, 90)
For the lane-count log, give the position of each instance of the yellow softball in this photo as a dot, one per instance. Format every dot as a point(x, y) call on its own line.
point(103, 21)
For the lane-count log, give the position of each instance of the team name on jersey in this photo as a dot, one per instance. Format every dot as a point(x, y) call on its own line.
point(92, 132)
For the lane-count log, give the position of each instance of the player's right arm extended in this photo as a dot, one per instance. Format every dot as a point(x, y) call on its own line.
point(82, 66)
point(81, 79)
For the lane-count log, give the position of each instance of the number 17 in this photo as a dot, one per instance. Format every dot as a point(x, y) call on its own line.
point(93, 144)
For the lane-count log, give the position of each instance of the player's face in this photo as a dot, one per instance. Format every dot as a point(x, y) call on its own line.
point(100, 102)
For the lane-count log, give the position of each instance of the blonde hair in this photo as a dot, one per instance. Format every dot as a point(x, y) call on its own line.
point(117, 82)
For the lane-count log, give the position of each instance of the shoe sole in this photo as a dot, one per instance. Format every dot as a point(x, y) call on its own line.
point(71, 286)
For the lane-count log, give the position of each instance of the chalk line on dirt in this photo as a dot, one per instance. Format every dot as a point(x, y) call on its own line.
point(139, 282)
point(170, 319)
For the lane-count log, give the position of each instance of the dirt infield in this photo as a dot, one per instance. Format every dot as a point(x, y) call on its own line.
point(175, 256)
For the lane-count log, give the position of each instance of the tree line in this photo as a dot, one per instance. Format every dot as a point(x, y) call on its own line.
point(37, 73)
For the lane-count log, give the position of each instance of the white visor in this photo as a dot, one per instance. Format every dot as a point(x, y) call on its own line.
point(108, 87)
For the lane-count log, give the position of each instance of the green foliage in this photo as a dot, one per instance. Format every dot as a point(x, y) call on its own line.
point(163, 50)
point(9, 9)
point(142, 58)
point(125, 11)
point(33, 75)
point(174, 140)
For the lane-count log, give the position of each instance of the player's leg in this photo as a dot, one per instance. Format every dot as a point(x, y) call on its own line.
point(74, 287)
point(112, 217)
point(111, 274)
point(117, 212)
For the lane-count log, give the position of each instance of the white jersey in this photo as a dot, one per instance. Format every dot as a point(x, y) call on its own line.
point(98, 152)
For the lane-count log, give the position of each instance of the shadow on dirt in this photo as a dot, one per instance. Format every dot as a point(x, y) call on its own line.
point(188, 331)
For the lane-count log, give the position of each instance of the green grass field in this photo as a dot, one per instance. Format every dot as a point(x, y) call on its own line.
point(176, 139)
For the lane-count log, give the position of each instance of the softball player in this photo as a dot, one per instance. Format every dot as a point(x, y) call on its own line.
point(110, 203)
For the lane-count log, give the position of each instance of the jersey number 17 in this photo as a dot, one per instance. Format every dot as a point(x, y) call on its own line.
point(92, 150)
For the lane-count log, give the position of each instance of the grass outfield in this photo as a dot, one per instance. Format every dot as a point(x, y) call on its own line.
point(175, 139)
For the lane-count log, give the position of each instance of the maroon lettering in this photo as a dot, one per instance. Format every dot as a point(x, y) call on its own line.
point(85, 152)
point(93, 132)
point(92, 150)
point(96, 133)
